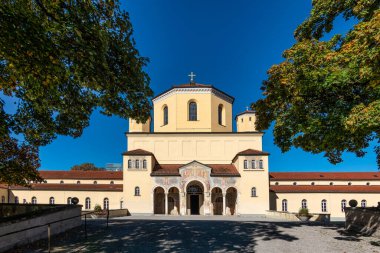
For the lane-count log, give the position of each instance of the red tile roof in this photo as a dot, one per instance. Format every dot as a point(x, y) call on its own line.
point(72, 187)
point(325, 188)
point(78, 174)
point(306, 176)
point(217, 170)
point(249, 111)
point(138, 152)
point(250, 152)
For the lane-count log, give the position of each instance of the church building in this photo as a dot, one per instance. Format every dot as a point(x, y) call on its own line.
point(190, 161)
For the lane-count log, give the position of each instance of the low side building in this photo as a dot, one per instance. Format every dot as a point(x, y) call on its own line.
point(323, 192)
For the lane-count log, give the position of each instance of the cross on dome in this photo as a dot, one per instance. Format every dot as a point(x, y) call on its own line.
point(192, 75)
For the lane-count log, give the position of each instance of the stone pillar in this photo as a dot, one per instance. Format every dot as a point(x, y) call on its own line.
point(224, 204)
point(166, 203)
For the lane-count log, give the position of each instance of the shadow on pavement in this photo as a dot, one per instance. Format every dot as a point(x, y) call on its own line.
point(168, 236)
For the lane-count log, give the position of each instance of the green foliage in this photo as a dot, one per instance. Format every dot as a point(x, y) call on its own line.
point(86, 167)
point(325, 96)
point(303, 212)
point(97, 208)
point(60, 60)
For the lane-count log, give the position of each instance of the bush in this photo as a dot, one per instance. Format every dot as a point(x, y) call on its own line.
point(97, 208)
point(353, 203)
point(303, 212)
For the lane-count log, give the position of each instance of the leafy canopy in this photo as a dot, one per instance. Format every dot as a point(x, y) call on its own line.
point(325, 96)
point(59, 60)
point(87, 167)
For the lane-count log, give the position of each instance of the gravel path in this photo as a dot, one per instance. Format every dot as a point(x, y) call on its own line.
point(161, 234)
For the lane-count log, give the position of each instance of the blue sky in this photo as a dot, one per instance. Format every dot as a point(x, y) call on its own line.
point(229, 44)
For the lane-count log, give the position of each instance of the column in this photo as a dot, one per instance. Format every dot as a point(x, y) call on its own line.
point(224, 204)
point(182, 203)
point(166, 203)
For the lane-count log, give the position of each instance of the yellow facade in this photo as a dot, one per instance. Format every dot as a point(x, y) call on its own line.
point(208, 100)
point(245, 122)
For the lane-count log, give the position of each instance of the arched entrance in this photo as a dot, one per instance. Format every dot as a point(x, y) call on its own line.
point(217, 201)
point(195, 198)
point(173, 201)
point(159, 200)
point(231, 196)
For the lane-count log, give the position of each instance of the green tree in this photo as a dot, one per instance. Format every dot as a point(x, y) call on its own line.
point(86, 167)
point(59, 60)
point(325, 96)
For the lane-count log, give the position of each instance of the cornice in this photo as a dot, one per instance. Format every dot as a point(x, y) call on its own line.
point(193, 90)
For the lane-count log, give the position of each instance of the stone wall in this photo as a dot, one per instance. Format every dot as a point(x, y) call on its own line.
point(291, 216)
point(363, 220)
point(29, 220)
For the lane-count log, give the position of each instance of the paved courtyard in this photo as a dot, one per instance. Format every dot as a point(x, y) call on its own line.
point(164, 234)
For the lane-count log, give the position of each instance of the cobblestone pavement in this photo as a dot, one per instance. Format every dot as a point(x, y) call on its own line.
point(205, 234)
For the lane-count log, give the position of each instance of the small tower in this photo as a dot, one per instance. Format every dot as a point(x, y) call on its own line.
point(245, 121)
point(135, 127)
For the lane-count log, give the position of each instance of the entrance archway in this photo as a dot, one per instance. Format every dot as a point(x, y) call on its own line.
point(195, 198)
point(217, 201)
point(173, 201)
point(159, 200)
point(231, 197)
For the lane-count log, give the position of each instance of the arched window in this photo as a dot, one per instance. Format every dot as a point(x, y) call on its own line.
point(261, 165)
point(284, 205)
point(61, 182)
point(166, 117)
point(324, 206)
point(3, 199)
point(253, 192)
point(137, 163)
point(137, 191)
point(16, 200)
point(88, 203)
point(95, 182)
point(245, 164)
point(129, 163)
point(51, 201)
point(364, 203)
point(253, 164)
point(34, 200)
point(78, 182)
point(111, 182)
point(304, 203)
point(192, 111)
point(105, 204)
point(343, 204)
point(220, 114)
point(144, 164)
point(69, 201)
